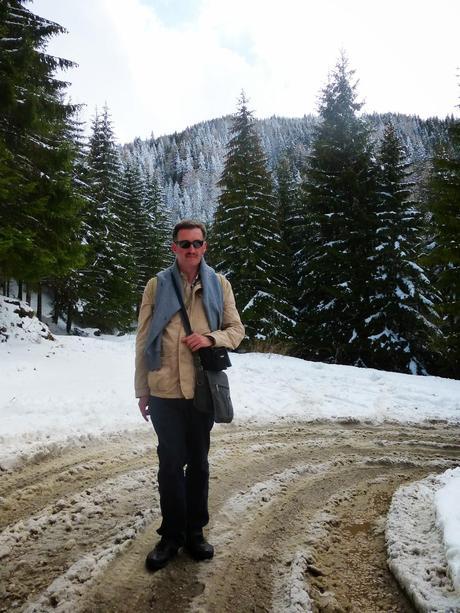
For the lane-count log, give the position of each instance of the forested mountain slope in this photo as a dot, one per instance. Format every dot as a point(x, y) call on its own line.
point(188, 164)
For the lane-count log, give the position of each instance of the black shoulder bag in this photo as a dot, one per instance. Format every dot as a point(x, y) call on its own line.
point(212, 390)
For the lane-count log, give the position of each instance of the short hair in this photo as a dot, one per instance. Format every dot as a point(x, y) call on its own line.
point(188, 224)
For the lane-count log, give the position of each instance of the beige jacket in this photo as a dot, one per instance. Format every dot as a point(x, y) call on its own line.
point(176, 377)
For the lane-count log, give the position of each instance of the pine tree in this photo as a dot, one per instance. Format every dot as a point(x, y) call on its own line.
point(291, 222)
point(107, 289)
point(402, 317)
point(136, 222)
point(339, 233)
point(158, 244)
point(148, 225)
point(444, 255)
point(38, 207)
point(246, 244)
point(65, 289)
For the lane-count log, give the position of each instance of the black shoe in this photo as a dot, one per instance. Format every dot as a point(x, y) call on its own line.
point(163, 551)
point(198, 546)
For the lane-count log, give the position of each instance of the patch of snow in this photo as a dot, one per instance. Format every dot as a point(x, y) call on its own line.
point(447, 506)
point(297, 598)
point(416, 555)
point(18, 323)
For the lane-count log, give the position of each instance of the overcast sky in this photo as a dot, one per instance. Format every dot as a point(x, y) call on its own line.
point(163, 65)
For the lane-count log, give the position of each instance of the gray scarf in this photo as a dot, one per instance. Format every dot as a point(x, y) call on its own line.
point(167, 305)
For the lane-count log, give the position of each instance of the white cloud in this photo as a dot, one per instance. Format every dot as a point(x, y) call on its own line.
point(162, 76)
point(181, 76)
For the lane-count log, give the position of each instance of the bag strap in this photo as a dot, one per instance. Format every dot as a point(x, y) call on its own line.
point(188, 331)
point(183, 310)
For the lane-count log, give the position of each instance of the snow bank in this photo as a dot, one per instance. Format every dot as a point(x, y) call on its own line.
point(56, 393)
point(447, 505)
point(268, 387)
point(19, 323)
point(415, 544)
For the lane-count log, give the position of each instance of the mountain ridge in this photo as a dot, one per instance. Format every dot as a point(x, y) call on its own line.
point(188, 164)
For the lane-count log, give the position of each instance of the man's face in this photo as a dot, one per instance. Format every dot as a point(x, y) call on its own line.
point(190, 256)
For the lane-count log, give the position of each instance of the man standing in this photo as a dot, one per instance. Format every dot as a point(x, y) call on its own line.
point(165, 384)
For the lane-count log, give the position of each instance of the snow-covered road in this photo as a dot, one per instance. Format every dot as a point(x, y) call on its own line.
point(76, 393)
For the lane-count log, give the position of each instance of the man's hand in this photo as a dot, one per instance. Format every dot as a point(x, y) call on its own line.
point(144, 407)
point(197, 341)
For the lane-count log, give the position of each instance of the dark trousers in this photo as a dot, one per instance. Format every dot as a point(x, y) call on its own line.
point(183, 477)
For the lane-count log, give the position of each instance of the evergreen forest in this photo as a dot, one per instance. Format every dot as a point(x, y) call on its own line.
point(340, 232)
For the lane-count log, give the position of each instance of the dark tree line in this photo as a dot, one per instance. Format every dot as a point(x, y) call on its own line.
point(357, 268)
point(39, 207)
point(73, 216)
point(125, 230)
point(443, 250)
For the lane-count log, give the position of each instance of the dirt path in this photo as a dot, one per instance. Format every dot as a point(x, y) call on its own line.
point(298, 513)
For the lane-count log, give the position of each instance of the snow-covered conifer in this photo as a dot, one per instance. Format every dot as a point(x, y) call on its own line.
point(402, 317)
point(39, 211)
point(108, 289)
point(153, 251)
point(245, 241)
point(291, 222)
point(339, 227)
point(444, 253)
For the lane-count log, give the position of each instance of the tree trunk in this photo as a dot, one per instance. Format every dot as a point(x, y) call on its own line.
point(56, 307)
point(68, 326)
point(28, 295)
point(19, 290)
point(39, 301)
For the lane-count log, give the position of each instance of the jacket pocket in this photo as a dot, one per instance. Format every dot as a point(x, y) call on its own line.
point(163, 380)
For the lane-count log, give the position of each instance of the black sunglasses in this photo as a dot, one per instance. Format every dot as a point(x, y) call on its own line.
point(187, 244)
